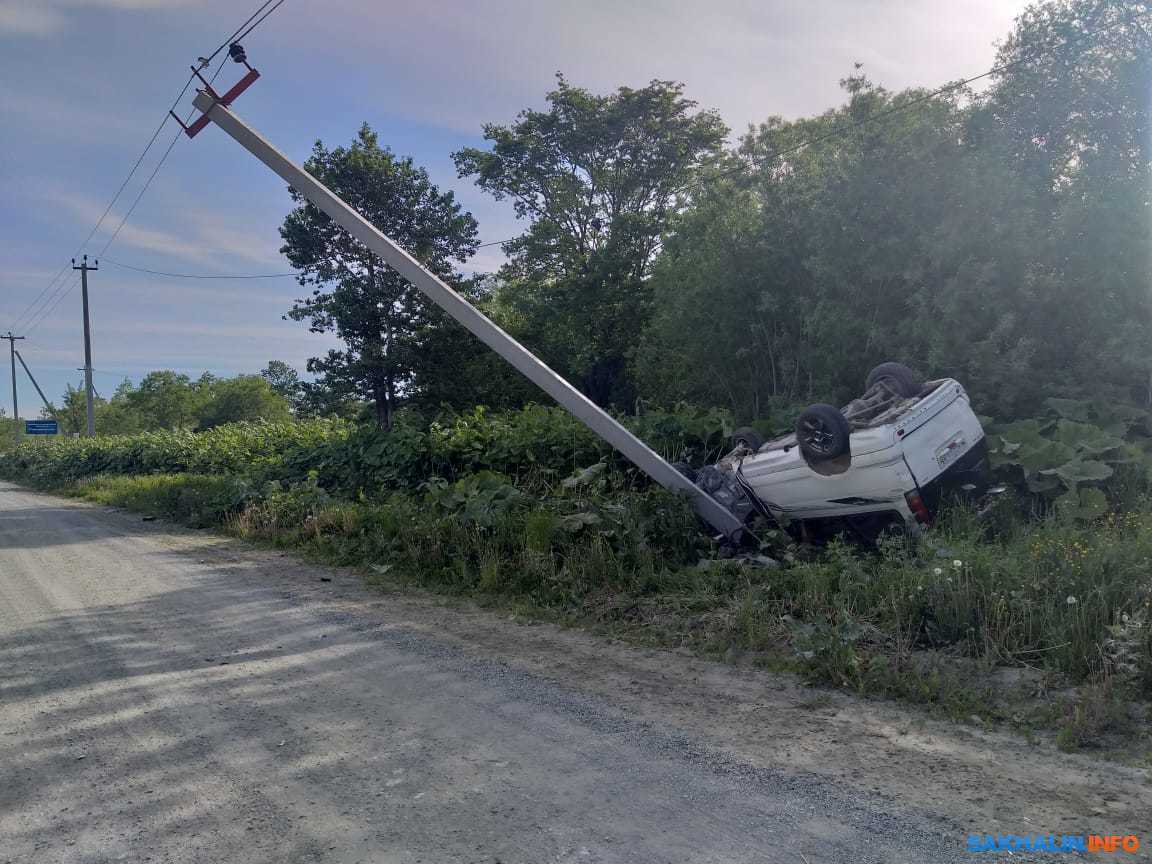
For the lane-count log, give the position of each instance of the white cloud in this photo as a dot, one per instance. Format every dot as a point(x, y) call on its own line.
point(749, 59)
point(25, 19)
point(46, 17)
point(48, 112)
point(198, 236)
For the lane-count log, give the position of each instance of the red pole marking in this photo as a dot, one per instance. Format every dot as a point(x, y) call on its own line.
point(227, 99)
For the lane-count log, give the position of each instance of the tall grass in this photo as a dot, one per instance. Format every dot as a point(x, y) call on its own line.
point(1074, 601)
point(1049, 595)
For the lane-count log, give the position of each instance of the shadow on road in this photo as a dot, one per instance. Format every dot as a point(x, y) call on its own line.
point(182, 701)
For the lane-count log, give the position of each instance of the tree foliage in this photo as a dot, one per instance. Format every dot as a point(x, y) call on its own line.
point(383, 321)
point(597, 178)
point(245, 398)
point(284, 380)
point(167, 400)
point(1001, 238)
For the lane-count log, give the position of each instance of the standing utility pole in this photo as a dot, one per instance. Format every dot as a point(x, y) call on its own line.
point(12, 340)
point(84, 267)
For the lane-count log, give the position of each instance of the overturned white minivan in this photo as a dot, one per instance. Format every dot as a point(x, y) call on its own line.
point(885, 460)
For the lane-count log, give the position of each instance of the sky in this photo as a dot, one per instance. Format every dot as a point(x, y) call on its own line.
point(84, 83)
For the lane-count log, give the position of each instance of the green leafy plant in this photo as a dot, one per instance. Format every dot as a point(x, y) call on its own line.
point(1066, 458)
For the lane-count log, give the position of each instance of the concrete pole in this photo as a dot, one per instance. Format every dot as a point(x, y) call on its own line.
point(12, 340)
point(84, 267)
point(32, 378)
point(590, 414)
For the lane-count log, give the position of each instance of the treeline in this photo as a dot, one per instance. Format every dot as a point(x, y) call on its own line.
point(170, 400)
point(1001, 237)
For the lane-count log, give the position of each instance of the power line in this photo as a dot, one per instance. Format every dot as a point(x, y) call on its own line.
point(36, 302)
point(64, 292)
point(890, 110)
point(244, 35)
point(198, 275)
point(236, 34)
point(156, 170)
point(45, 301)
point(49, 309)
point(116, 197)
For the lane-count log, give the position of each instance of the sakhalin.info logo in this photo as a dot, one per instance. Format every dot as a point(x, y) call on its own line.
point(1053, 843)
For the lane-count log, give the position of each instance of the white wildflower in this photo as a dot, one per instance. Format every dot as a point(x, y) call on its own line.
point(957, 563)
point(938, 571)
point(1071, 601)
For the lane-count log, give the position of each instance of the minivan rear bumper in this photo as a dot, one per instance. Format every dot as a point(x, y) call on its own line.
point(966, 479)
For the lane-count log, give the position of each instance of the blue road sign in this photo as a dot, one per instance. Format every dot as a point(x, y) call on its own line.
point(41, 427)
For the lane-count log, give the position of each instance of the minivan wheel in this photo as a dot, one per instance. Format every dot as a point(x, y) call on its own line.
point(748, 437)
point(896, 377)
point(822, 433)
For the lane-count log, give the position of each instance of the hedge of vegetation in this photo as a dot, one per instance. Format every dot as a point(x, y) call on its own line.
point(347, 460)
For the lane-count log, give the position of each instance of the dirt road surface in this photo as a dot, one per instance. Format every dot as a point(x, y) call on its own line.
point(171, 696)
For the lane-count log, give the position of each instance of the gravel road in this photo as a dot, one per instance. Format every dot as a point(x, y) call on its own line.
point(172, 696)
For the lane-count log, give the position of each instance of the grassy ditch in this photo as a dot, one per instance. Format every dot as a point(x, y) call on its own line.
point(1044, 625)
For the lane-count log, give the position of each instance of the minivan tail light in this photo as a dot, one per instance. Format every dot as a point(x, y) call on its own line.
point(918, 507)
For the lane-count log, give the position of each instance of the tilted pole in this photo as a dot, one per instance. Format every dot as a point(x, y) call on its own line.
point(47, 405)
point(591, 415)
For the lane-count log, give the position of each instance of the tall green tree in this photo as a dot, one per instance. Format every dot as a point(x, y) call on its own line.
point(71, 413)
point(1072, 91)
point(245, 398)
point(283, 379)
point(597, 177)
point(7, 430)
point(1000, 238)
point(383, 321)
point(1071, 110)
point(166, 399)
point(788, 279)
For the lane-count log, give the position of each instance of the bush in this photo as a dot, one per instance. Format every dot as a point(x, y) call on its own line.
point(195, 499)
point(1080, 459)
point(242, 448)
point(534, 444)
point(483, 535)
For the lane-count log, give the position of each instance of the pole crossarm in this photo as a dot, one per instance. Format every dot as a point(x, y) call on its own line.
point(594, 417)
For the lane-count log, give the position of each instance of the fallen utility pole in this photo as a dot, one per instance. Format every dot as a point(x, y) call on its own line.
point(12, 340)
point(214, 108)
point(84, 268)
point(47, 405)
